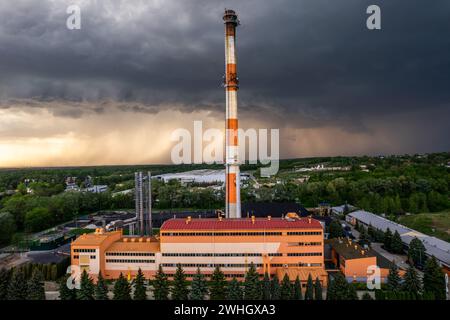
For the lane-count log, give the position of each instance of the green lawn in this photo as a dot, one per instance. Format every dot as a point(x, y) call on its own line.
point(433, 224)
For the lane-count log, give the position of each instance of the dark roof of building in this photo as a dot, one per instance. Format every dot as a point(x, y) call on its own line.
point(352, 250)
point(240, 224)
point(274, 209)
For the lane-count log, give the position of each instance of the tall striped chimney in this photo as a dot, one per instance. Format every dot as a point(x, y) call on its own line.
point(232, 179)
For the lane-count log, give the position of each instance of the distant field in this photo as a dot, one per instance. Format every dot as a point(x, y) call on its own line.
point(433, 224)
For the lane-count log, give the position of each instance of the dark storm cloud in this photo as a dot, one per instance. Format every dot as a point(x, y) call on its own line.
point(307, 63)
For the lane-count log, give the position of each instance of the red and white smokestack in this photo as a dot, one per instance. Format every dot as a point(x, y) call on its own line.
point(232, 178)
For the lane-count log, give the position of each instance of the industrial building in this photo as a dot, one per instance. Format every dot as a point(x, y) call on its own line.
point(291, 245)
point(354, 261)
point(209, 176)
point(434, 247)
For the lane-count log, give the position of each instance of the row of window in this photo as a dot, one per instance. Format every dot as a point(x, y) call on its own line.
point(220, 234)
point(83, 250)
point(300, 264)
point(210, 265)
point(304, 244)
point(304, 233)
point(228, 234)
point(129, 261)
point(304, 254)
point(272, 254)
point(78, 257)
point(133, 254)
point(211, 254)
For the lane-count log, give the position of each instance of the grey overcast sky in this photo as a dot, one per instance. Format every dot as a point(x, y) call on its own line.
point(112, 92)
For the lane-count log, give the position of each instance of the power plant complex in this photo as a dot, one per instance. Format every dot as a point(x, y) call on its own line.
point(289, 245)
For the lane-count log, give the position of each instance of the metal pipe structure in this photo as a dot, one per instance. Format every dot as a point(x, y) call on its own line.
point(143, 202)
point(232, 178)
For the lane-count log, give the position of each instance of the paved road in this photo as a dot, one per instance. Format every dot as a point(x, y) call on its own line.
point(400, 260)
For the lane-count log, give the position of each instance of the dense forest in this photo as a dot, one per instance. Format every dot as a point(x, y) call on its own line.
point(392, 185)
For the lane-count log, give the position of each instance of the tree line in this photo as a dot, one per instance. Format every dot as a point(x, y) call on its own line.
point(200, 288)
point(413, 287)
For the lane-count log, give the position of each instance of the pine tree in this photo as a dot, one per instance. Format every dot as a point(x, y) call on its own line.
point(235, 291)
point(64, 292)
point(297, 294)
point(101, 289)
point(380, 295)
point(340, 289)
point(393, 278)
point(266, 287)
point(86, 291)
point(252, 287)
point(371, 232)
point(122, 289)
point(161, 285)
point(54, 272)
point(411, 281)
point(364, 238)
point(5, 276)
point(309, 293)
point(36, 289)
point(199, 287)
point(140, 289)
point(318, 290)
point(179, 286)
point(335, 230)
point(351, 292)
point(17, 288)
point(396, 243)
point(387, 239)
point(286, 288)
point(331, 290)
point(416, 252)
point(217, 285)
point(366, 296)
point(434, 279)
point(275, 291)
